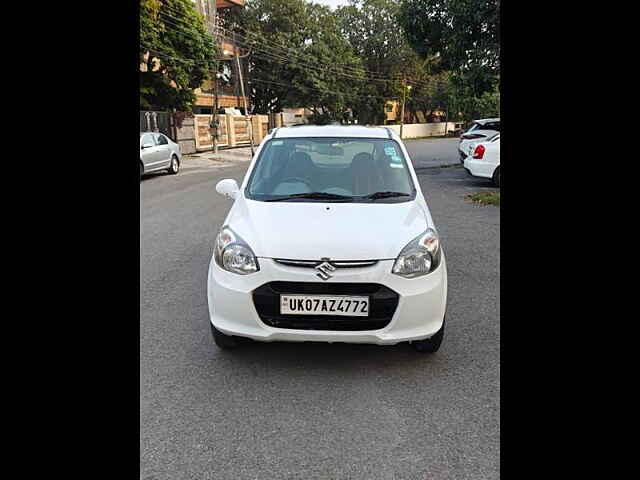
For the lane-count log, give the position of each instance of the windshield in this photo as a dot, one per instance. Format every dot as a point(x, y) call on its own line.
point(474, 126)
point(331, 169)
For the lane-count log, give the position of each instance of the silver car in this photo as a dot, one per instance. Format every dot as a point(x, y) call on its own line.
point(158, 152)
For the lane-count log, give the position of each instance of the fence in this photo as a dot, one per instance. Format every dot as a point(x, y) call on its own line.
point(194, 134)
point(416, 130)
point(232, 130)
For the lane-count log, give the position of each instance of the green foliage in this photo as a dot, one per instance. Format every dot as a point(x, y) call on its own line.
point(471, 106)
point(465, 35)
point(309, 35)
point(373, 32)
point(177, 51)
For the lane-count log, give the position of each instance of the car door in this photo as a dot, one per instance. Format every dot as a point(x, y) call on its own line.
point(151, 156)
point(163, 149)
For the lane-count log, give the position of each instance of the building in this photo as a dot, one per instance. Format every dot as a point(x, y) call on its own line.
point(229, 94)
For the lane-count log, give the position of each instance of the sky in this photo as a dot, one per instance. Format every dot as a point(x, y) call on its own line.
point(331, 3)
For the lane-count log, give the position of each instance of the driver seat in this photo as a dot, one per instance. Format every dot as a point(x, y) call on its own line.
point(299, 165)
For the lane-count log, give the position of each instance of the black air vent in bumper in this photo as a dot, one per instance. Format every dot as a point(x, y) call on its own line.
point(382, 305)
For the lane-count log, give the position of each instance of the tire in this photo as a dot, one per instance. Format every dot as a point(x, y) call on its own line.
point(223, 341)
point(496, 177)
point(175, 165)
point(141, 171)
point(429, 345)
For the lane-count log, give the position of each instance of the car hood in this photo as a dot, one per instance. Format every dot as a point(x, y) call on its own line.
point(339, 231)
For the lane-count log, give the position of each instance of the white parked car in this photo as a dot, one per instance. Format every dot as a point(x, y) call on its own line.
point(329, 239)
point(158, 152)
point(485, 160)
point(479, 131)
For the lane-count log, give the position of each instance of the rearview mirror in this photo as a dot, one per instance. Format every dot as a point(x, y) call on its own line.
point(228, 187)
point(147, 145)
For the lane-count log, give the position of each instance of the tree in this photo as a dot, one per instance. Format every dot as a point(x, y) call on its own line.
point(296, 55)
point(176, 53)
point(465, 35)
point(374, 32)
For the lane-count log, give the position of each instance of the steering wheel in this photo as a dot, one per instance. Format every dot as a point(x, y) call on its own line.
point(296, 179)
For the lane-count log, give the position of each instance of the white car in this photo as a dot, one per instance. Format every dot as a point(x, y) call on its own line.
point(329, 239)
point(158, 152)
point(485, 160)
point(479, 131)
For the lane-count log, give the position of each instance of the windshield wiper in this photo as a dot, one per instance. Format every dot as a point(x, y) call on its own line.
point(377, 195)
point(312, 196)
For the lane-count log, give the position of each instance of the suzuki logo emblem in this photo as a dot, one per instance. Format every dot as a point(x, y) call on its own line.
point(325, 269)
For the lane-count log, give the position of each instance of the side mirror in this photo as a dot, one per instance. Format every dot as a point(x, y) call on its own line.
point(147, 145)
point(228, 187)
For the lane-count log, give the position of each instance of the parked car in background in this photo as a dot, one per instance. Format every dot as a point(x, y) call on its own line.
point(485, 160)
point(158, 152)
point(329, 239)
point(477, 132)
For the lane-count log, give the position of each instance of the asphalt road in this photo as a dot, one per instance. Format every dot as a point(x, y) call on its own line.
point(314, 411)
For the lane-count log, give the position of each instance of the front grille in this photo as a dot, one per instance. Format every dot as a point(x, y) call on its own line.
point(336, 263)
point(382, 305)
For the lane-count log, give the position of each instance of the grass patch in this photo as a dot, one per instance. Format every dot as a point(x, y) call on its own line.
point(485, 198)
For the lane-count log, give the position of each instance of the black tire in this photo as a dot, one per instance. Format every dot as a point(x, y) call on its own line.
point(222, 340)
point(429, 345)
point(175, 165)
point(496, 177)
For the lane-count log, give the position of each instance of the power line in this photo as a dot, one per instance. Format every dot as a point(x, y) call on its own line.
point(370, 74)
point(344, 70)
point(338, 70)
point(158, 54)
point(277, 46)
point(277, 52)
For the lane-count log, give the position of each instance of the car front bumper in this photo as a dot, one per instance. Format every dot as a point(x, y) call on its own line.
point(419, 314)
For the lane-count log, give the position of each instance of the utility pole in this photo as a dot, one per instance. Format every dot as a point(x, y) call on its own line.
point(244, 97)
point(214, 124)
point(404, 99)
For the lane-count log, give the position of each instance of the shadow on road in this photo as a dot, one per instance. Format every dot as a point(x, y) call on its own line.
point(291, 357)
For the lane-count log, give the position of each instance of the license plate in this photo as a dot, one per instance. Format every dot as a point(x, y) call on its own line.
point(324, 305)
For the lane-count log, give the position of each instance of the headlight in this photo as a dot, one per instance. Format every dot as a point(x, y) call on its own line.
point(419, 257)
point(233, 254)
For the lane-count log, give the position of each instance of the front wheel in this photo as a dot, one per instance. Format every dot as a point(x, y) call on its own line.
point(496, 177)
point(429, 345)
point(175, 165)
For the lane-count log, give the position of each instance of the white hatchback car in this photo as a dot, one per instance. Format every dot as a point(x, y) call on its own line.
point(484, 160)
point(329, 239)
point(479, 131)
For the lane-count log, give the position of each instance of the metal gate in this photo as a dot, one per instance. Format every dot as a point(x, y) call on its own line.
point(158, 122)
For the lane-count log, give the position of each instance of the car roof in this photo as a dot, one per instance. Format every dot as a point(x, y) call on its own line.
point(354, 131)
